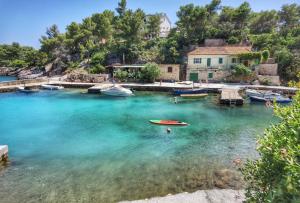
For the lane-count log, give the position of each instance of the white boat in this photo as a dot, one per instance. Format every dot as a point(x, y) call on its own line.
point(52, 87)
point(255, 93)
point(27, 90)
point(117, 91)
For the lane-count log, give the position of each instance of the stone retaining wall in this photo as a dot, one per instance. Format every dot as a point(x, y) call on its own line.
point(268, 69)
point(268, 79)
point(89, 78)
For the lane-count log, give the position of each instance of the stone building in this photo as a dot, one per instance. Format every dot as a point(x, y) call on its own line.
point(213, 63)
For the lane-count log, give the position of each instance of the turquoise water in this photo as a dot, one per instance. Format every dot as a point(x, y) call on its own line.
point(7, 78)
point(73, 147)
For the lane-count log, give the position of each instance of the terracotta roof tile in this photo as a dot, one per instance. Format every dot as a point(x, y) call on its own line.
point(222, 50)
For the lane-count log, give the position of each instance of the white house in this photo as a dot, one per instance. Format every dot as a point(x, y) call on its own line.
point(214, 63)
point(165, 25)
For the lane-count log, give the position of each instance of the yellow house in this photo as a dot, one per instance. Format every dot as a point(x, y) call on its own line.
point(214, 63)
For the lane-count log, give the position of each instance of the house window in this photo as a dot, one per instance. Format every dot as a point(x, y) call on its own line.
point(197, 60)
point(220, 60)
point(170, 69)
point(233, 60)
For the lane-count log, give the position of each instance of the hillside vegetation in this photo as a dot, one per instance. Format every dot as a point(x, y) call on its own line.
point(124, 34)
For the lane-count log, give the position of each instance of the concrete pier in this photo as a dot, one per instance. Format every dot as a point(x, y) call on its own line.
point(201, 196)
point(3, 152)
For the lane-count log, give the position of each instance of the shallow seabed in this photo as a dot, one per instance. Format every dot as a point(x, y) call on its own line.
point(72, 147)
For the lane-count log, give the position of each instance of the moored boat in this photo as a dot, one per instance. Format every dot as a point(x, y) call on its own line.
point(52, 87)
point(117, 91)
point(193, 96)
point(256, 93)
point(189, 91)
point(27, 90)
point(277, 99)
point(168, 122)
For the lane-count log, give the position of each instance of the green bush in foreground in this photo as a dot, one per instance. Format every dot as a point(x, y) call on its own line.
point(275, 176)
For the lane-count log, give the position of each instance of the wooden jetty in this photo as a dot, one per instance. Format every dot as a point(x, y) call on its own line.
point(231, 96)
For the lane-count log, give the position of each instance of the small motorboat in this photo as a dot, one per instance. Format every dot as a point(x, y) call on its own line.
point(189, 91)
point(27, 90)
point(117, 91)
point(251, 92)
point(193, 96)
point(277, 99)
point(51, 87)
point(168, 122)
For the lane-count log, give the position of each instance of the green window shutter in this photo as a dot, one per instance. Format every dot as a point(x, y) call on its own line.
point(209, 62)
point(220, 60)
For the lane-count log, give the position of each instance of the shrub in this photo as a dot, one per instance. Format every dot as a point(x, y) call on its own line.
point(17, 63)
point(251, 56)
point(275, 176)
point(96, 69)
point(150, 72)
point(233, 40)
point(241, 70)
point(265, 55)
point(98, 58)
point(121, 75)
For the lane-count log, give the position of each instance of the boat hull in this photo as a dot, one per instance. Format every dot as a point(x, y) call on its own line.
point(24, 90)
point(262, 99)
point(51, 87)
point(168, 122)
point(193, 96)
point(189, 91)
point(116, 94)
point(117, 91)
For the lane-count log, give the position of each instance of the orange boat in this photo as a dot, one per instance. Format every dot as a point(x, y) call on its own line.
point(168, 122)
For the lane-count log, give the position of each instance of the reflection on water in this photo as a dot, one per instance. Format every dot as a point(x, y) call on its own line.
point(70, 147)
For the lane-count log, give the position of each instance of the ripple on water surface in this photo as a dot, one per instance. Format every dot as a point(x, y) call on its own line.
point(70, 147)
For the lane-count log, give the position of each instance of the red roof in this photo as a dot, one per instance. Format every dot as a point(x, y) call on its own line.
point(221, 50)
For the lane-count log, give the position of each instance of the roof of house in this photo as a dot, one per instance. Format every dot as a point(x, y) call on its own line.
point(221, 50)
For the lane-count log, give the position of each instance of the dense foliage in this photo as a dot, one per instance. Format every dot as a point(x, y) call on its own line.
point(275, 176)
point(132, 36)
point(150, 72)
point(241, 70)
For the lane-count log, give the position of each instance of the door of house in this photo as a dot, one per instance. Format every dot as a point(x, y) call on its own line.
point(210, 75)
point(208, 62)
point(194, 77)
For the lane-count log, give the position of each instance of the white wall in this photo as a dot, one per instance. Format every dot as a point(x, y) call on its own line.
point(227, 61)
point(165, 27)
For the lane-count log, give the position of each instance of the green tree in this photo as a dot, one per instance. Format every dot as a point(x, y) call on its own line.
point(264, 22)
point(150, 72)
point(265, 55)
point(290, 15)
point(121, 75)
point(275, 176)
point(121, 8)
point(241, 70)
point(153, 23)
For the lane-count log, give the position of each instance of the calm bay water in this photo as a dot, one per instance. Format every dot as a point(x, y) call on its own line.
point(72, 147)
point(7, 78)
